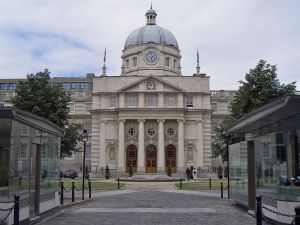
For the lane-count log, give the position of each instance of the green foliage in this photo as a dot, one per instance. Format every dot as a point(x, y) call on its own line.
point(169, 171)
point(130, 171)
point(107, 172)
point(70, 139)
point(220, 172)
point(39, 96)
point(261, 86)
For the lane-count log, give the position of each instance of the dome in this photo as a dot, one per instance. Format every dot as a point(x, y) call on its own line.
point(151, 34)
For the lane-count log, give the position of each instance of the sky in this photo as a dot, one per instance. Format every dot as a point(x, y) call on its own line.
point(68, 37)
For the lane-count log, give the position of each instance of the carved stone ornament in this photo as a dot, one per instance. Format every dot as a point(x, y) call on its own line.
point(151, 85)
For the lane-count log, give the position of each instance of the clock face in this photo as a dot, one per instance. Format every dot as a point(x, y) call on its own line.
point(151, 57)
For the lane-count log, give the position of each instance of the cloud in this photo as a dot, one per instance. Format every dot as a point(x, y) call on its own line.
point(69, 37)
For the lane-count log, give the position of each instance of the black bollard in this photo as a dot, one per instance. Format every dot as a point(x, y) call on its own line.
point(221, 189)
point(210, 183)
point(297, 216)
point(258, 210)
point(62, 193)
point(90, 189)
point(73, 191)
point(118, 183)
point(180, 183)
point(17, 210)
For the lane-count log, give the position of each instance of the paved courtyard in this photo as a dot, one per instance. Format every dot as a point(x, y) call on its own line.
point(152, 204)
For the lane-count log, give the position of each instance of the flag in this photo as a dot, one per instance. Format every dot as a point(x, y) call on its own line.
point(104, 58)
point(197, 57)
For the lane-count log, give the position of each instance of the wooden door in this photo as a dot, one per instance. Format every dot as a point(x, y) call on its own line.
point(171, 158)
point(151, 159)
point(131, 157)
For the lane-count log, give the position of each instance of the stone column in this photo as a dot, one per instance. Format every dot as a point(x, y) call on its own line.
point(102, 158)
point(141, 148)
point(199, 143)
point(161, 147)
point(180, 159)
point(121, 152)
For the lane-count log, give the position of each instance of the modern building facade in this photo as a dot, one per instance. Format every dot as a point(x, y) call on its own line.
point(149, 117)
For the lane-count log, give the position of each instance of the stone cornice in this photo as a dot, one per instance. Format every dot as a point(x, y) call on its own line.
point(80, 116)
point(150, 110)
point(167, 92)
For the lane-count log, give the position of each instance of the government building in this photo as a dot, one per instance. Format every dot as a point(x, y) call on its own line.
point(151, 116)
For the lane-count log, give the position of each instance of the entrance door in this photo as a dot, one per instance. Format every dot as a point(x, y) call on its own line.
point(34, 180)
point(131, 157)
point(151, 159)
point(171, 158)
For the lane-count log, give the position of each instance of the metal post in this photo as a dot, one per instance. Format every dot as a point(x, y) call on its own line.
point(221, 189)
point(17, 210)
point(118, 183)
point(258, 210)
point(73, 194)
point(297, 216)
point(90, 189)
point(180, 183)
point(210, 183)
point(61, 192)
point(83, 171)
point(227, 148)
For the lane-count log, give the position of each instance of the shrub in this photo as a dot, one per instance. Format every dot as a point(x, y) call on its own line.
point(107, 172)
point(130, 171)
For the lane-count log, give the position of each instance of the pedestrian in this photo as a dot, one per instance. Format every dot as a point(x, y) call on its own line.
point(188, 173)
point(194, 174)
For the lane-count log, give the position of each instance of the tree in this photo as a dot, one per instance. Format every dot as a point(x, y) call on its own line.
point(38, 95)
point(43, 98)
point(70, 139)
point(260, 87)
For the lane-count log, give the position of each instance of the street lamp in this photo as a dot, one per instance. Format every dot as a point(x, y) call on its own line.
point(84, 138)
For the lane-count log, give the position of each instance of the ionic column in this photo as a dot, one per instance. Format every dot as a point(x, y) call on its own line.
point(199, 143)
point(121, 152)
point(102, 144)
point(161, 149)
point(180, 158)
point(141, 148)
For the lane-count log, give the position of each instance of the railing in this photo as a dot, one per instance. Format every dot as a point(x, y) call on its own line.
point(15, 208)
point(260, 216)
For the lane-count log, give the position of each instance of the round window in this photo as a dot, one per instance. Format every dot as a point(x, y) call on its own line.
point(170, 131)
point(151, 131)
point(131, 131)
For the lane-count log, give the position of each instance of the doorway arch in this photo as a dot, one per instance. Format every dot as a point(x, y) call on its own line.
point(151, 159)
point(171, 158)
point(131, 157)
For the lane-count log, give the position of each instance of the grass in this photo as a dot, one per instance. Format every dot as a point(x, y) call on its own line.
point(96, 185)
point(202, 185)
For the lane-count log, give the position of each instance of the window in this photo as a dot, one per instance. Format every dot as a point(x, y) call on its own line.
point(88, 106)
point(131, 101)
point(44, 151)
point(12, 86)
point(23, 151)
point(170, 131)
point(189, 101)
point(71, 107)
point(170, 101)
point(134, 61)
point(73, 85)
point(213, 127)
point(167, 62)
point(24, 130)
point(113, 101)
point(88, 128)
point(175, 63)
point(84, 85)
point(151, 101)
point(214, 107)
point(67, 86)
point(131, 131)
point(151, 131)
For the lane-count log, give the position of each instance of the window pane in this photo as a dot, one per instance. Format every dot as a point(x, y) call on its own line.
point(189, 101)
point(151, 100)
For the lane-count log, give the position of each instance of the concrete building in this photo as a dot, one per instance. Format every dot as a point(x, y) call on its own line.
point(149, 117)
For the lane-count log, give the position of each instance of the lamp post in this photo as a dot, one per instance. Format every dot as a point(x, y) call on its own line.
point(84, 138)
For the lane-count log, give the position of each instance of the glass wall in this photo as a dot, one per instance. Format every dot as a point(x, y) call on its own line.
point(238, 172)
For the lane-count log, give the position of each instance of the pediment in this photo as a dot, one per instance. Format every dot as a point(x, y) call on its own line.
point(151, 83)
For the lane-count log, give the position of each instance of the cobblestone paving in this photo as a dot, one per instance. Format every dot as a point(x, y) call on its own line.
point(141, 207)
